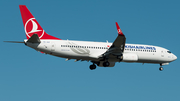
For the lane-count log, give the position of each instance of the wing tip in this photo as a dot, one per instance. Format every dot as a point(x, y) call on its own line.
point(120, 33)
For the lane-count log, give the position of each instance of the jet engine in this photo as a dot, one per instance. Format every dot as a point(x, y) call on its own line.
point(130, 57)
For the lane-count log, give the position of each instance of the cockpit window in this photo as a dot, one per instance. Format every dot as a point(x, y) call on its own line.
point(168, 51)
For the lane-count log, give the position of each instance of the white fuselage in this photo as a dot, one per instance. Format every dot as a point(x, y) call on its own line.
point(91, 51)
point(102, 54)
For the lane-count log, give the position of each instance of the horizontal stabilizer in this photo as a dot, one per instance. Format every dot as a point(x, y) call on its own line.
point(34, 39)
point(14, 41)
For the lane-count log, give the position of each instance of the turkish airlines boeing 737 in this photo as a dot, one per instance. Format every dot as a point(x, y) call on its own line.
point(102, 54)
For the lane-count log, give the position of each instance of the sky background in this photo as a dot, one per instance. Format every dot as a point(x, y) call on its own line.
point(28, 75)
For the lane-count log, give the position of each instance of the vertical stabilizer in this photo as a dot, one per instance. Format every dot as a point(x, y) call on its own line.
point(31, 26)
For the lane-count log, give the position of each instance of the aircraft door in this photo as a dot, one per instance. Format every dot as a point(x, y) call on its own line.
point(162, 53)
point(53, 46)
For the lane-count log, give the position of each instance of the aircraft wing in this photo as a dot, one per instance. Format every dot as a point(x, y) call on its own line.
point(118, 45)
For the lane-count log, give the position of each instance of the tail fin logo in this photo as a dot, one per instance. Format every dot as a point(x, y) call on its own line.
point(119, 30)
point(32, 27)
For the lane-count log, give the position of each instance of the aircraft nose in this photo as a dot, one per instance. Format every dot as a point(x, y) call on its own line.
point(174, 57)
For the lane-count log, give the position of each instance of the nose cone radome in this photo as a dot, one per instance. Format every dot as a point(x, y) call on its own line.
point(174, 57)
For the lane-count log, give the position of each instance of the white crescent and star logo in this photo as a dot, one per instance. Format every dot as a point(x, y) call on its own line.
point(31, 27)
point(119, 30)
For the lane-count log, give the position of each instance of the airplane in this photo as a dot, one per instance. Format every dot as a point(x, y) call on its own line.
point(102, 54)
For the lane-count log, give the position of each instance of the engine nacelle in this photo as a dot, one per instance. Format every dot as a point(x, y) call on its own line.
point(130, 57)
point(111, 64)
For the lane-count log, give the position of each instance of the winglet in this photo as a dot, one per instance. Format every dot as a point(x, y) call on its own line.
point(119, 30)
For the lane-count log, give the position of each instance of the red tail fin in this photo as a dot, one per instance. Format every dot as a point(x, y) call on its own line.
point(31, 26)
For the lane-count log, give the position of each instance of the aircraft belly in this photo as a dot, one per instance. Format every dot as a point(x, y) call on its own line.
point(151, 58)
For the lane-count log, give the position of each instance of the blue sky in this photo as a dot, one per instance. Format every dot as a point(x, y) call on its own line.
point(27, 75)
